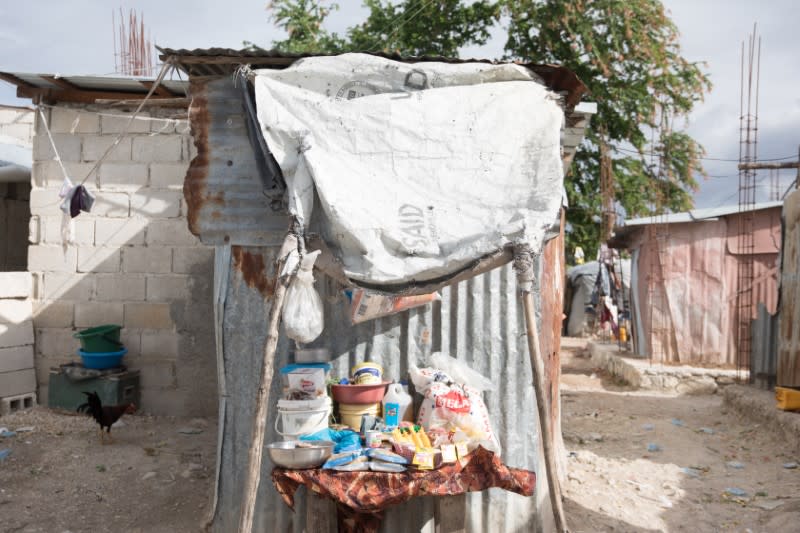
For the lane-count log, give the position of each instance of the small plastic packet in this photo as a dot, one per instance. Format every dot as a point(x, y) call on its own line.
point(387, 456)
point(340, 459)
point(382, 466)
point(367, 305)
point(359, 464)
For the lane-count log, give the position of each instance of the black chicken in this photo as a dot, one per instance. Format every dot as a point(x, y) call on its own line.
point(105, 415)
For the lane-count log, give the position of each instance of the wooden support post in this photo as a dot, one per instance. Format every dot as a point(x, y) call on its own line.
point(523, 264)
point(267, 367)
point(320, 514)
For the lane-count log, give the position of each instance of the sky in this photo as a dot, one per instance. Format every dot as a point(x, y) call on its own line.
point(76, 37)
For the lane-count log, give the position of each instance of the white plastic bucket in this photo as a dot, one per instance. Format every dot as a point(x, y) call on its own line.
point(301, 422)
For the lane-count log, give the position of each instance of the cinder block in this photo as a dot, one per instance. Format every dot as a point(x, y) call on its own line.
point(98, 259)
point(125, 176)
point(51, 259)
point(186, 259)
point(120, 287)
point(119, 123)
point(35, 230)
point(65, 120)
point(165, 402)
point(168, 175)
point(15, 335)
point(15, 284)
point(53, 314)
point(120, 231)
point(16, 383)
point(12, 404)
point(163, 126)
point(48, 174)
point(171, 232)
point(150, 259)
point(166, 288)
point(95, 146)
point(148, 316)
point(156, 203)
point(112, 204)
point(67, 286)
point(45, 202)
point(50, 229)
point(23, 132)
point(68, 146)
point(158, 375)
point(157, 148)
point(132, 339)
point(17, 358)
point(90, 314)
point(15, 311)
point(159, 344)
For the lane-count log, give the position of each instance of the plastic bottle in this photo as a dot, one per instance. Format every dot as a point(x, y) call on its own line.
point(395, 404)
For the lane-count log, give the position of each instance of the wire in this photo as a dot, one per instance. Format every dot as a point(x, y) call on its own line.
point(635, 152)
point(425, 4)
point(757, 182)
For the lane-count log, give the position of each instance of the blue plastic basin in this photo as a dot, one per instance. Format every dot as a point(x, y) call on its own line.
point(99, 361)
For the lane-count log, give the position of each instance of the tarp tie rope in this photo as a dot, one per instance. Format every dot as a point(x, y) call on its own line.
point(523, 267)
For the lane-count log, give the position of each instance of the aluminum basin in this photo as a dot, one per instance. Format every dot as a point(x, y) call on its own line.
point(297, 455)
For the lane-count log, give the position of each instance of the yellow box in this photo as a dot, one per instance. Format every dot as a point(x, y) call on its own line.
point(788, 399)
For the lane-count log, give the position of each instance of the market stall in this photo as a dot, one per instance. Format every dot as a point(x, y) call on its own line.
point(377, 249)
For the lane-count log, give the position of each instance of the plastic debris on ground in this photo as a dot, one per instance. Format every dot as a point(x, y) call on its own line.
point(691, 472)
point(4, 453)
point(735, 464)
point(790, 466)
point(25, 429)
point(648, 427)
point(708, 431)
point(768, 505)
point(735, 491)
point(677, 422)
point(5, 433)
point(653, 447)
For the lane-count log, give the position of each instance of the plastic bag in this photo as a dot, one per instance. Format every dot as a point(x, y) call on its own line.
point(367, 305)
point(302, 309)
point(345, 440)
point(454, 406)
point(460, 372)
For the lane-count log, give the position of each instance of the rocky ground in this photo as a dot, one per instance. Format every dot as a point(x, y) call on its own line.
point(647, 462)
point(639, 462)
point(57, 477)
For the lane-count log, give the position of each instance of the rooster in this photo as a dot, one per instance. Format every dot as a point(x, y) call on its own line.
point(105, 415)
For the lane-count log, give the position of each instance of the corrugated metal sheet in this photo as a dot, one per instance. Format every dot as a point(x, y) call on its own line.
point(223, 188)
point(700, 214)
point(480, 321)
point(127, 84)
point(764, 356)
point(789, 335)
point(223, 61)
point(696, 303)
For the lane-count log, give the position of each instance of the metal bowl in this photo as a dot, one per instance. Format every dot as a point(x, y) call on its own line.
point(290, 454)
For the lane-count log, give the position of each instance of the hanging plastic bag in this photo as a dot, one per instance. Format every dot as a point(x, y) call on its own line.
point(302, 309)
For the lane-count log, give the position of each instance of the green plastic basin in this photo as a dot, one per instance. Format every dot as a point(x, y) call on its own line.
point(100, 339)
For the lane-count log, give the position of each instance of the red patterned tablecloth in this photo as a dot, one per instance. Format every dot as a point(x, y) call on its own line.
point(362, 497)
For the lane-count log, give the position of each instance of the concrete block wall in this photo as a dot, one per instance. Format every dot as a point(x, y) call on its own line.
point(17, 374)
point(134, 262)
point(17, 123)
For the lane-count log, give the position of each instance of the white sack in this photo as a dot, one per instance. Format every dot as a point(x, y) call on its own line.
point(414, 185)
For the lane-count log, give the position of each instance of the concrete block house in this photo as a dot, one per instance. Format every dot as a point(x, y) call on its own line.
point(133, 260)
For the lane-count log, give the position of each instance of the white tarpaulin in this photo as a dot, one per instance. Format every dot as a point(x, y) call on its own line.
point(420, 169)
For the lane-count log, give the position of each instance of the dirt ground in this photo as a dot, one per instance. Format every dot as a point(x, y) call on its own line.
point(701, 455)
point(157, 475)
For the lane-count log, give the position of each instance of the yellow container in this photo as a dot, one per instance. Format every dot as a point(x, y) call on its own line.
point(350, 413)
point(788, 399)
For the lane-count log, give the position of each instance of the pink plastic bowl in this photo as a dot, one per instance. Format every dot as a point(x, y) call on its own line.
point(359, 393)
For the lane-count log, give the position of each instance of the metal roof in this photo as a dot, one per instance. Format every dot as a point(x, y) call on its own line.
point(223, 61)
point(126, 84)
point(700, 214)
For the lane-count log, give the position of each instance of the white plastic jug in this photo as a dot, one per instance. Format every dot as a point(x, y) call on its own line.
point(396, 405)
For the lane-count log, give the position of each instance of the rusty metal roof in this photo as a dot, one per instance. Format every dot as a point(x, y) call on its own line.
point(223, 61)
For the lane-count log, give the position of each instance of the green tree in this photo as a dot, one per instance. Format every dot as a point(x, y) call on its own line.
point(625, 51)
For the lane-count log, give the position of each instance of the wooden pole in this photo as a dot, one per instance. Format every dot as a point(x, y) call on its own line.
point(523, 264)
point(267, 367)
